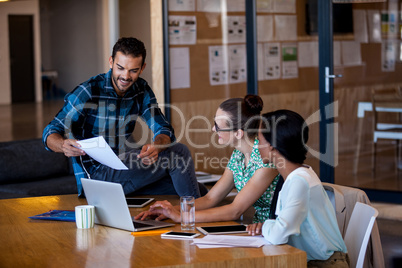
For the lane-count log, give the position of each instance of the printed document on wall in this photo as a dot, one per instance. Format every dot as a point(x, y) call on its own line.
point(272, 61)
point(180, 5)
point(351, 53)
point(182, 30)
point(289, 60)
point(179, 67)
point(209, 6)
point(308, 54)
point(374, 23)
point(388, 56)
point(235, 29)
point(285, 6)
point(286, 27)
point(218, 65)
point(237, 64)
point(360, 25)
point(266, 6)
point(265, 29)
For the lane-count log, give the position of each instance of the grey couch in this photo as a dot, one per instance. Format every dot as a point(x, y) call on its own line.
point(27, 169)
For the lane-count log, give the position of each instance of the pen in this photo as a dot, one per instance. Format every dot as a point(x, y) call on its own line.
point(147, 233)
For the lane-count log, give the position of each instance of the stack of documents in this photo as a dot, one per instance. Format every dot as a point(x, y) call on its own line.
point(214, 241)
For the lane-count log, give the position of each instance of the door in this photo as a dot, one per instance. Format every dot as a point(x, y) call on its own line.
point(358, 41)
point(21, 58)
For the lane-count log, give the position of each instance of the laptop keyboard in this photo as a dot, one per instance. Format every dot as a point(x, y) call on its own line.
point(139, 225)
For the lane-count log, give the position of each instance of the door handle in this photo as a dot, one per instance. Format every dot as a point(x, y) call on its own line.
point(327, 77)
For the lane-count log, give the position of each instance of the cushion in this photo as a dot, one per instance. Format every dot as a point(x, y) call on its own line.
point(28, 160)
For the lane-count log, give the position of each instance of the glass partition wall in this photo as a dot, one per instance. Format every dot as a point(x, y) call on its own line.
point(208, 64)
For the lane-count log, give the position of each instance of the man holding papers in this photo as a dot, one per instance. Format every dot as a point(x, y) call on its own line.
point(109, 105)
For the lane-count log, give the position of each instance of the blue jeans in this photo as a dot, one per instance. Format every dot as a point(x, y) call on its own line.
point(173, 173)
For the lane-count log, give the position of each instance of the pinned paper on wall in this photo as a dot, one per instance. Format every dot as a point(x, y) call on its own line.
point(237, 64)
point(389, 23)
point(308, 54)
point(289, 60)
point(218, 65)
point(388, 56)
point(285, 27)
point(265, 6)
point(180, 5)
point(265, 29)
point(209, 6)
point(235, 6)
point(360, 25)
point(284, 6)
point(179, 67)
point(374, 23)
point(182, 30)
point(272, 61)
point(351, 53)
point(235, 27)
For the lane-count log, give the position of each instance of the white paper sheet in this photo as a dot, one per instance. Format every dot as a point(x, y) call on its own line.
point(179, 67)
point(374, 23)
point(98, 149)
point(289, 60)
point(180, 5)
point(285, 6)
point(209, 5)
point(351, 53)
point(265, 29)
point(231, 240)
point(237, 64)
point(235, 29)
point(308, 54)
point(285, 27)
point(218, 65)
point(182, 30)
point(272, 61)
point(265, 5)
point(360, 25)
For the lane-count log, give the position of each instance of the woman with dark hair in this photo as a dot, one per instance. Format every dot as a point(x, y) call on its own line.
point(305, 216)
point(236, 123)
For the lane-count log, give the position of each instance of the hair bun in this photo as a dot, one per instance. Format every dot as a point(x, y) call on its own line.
point(254, 103)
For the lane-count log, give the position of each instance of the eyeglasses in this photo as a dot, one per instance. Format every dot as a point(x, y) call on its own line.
point(218, 129)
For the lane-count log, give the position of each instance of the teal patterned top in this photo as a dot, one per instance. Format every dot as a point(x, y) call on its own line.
point(242, 175)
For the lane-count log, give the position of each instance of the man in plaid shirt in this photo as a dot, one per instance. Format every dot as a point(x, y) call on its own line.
point(109, 105)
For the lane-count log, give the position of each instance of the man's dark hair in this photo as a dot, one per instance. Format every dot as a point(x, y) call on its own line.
point(130, 46)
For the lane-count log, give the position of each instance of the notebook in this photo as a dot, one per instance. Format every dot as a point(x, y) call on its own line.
point(111, 208)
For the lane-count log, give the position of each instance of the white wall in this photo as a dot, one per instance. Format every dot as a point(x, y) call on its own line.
point(135, 21)
point(18, 8)
point(72, 36)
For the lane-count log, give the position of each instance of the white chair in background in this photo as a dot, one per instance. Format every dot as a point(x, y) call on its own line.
point(387, 109)
point(358, 233)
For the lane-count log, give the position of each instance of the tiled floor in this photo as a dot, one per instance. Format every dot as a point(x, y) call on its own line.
point(26, 121)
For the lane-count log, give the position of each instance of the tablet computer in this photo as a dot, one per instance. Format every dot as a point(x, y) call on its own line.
point(223, 229)
point(138, 202)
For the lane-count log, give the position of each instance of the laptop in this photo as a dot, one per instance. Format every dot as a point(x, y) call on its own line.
point(111, 208)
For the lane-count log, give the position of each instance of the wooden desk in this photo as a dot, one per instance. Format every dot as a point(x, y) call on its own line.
point(38, 243)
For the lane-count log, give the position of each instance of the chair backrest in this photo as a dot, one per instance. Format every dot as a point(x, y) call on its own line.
point(358, 232)
point(386, 101)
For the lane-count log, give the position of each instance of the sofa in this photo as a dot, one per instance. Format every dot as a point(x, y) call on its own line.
point(27, 169)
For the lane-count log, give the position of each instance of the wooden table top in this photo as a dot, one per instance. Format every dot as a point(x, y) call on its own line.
point(39, 243)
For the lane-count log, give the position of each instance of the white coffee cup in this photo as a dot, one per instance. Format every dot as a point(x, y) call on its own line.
point(187, 212)
point(85, 216)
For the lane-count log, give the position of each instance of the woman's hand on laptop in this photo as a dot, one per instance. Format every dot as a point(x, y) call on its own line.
point(161, 209)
